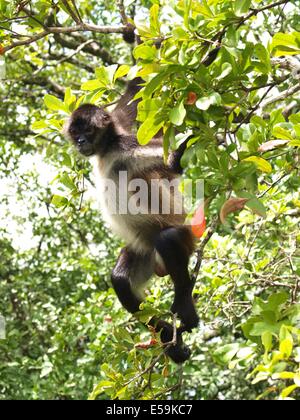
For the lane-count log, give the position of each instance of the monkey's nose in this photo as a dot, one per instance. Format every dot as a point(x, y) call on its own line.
point(82, 140)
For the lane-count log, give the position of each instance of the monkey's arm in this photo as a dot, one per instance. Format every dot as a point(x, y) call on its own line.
point(125, 112)
point(175, 158)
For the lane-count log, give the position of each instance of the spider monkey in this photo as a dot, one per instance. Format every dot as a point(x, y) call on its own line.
point(155, 243)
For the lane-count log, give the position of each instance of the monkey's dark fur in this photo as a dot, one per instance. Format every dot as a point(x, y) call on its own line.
point(160, 243)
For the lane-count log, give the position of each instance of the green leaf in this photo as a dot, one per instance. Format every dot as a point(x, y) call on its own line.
point(282, 134)
point(91, 85)
point(154, 20)
point(286, 347)
point(295, 118)
point(205, 102)
point(67, 160)
point(154, 84)
point(148, 108)
point(104, 75)
point(260, 328)
point(264, 57)
point(285, 44)
point(284, 375)
point(66, 180)
point(39, 125)
point(110, 71)
point(262, 164)
point(241, 7)
point(277, 299)
point(266, 339)
point(295, 143)
point(59, 201)
point(121, 72)
point(46, 370)
point(100, 388)
point(254, 204)
point(70, 98)
point(287, 391)
point(226, 353)
point(225, 71)
point(54, 103)
point(148, 130)
point(187, 10)
point(178, 114)
point(145, 52)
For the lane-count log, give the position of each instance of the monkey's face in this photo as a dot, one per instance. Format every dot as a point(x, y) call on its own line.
point(87, 127)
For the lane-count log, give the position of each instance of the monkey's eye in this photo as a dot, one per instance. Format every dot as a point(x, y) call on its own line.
point(89, 131)
point(72, 131)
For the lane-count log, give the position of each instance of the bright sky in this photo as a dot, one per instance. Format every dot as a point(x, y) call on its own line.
point(22, 234)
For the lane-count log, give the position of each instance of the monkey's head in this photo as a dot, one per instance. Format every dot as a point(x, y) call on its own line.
point(87, 127)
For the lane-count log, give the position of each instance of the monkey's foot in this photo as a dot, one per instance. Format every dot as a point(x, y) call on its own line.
point(179, 354)
point(178, 351)
point(186, 311)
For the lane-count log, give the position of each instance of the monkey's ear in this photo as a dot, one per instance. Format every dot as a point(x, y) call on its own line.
point(107, 119)
point(101, 119)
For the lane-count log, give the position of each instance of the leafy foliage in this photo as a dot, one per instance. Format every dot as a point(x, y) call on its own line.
point(224, 74)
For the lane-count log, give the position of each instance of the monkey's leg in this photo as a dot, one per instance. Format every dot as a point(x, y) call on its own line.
point(132, 270)
point(121, 280)
point(174, 248)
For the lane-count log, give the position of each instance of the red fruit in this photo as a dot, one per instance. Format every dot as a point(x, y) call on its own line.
point(192, 98)
point(198, 223)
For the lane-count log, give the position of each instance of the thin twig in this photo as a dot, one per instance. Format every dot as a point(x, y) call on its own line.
point(254, 240)
point(121, 7)
point(174, 339)
point(255, 108)
point(82, 193)
point(255, 12)
point(77, 10)
point(200, 251)
point(273, 185)
point(148, 369)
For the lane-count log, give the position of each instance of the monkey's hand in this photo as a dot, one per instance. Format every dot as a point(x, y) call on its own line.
point(129, 34)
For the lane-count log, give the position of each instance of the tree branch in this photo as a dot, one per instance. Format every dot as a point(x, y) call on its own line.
point(45, 82)
point(66, 30)
point(287, 63)
point(92, 48)
point(282, 96)
point(70, 60)
point(255, 12)
point(63, 58)
point(121, 7)
point(75, 16)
